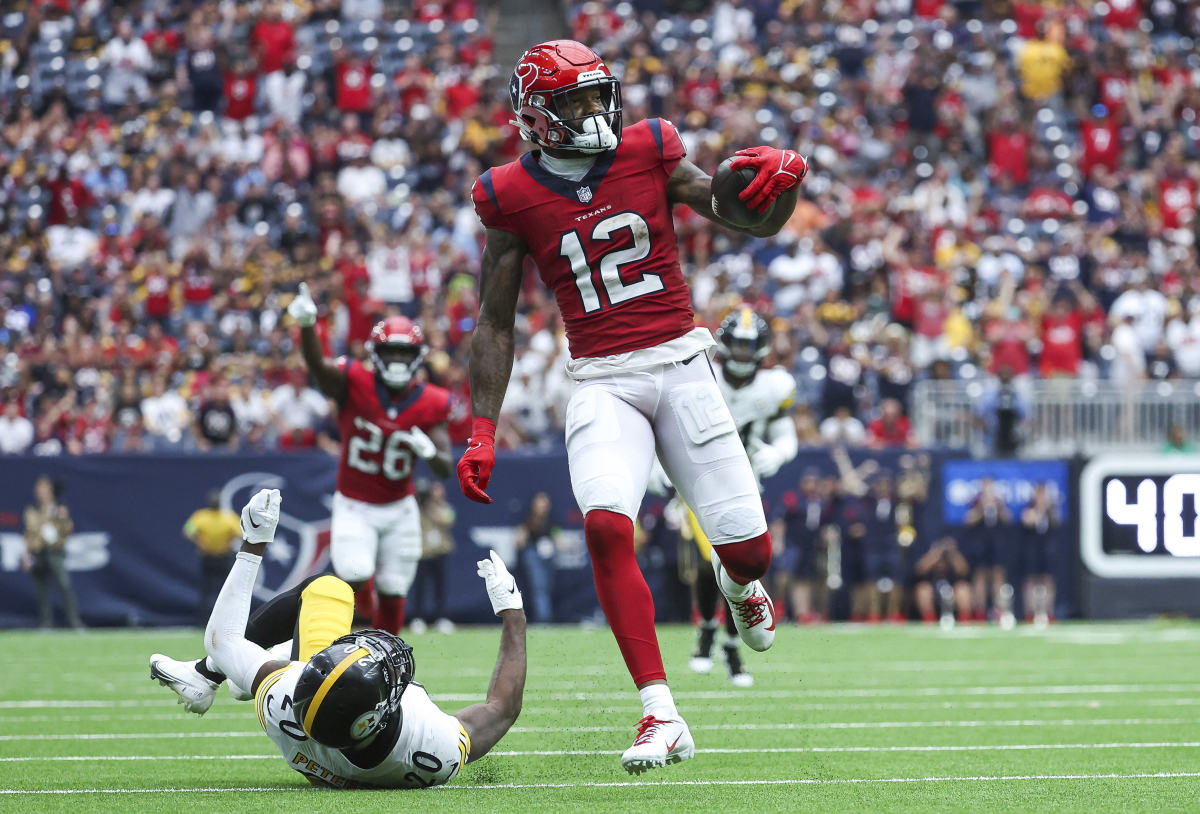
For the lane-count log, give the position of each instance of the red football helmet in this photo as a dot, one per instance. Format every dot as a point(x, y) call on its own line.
point(540, 84)
point(396, 348)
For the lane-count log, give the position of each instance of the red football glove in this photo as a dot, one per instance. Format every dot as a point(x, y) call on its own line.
point(475, 465)
point(778, 171)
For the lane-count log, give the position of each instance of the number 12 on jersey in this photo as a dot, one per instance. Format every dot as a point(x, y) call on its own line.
point(616, 289)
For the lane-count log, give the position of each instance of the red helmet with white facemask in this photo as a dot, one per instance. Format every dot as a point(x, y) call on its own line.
point(541, 84)
point(396, 349)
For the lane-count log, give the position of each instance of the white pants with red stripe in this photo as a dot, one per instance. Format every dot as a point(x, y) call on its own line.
point(616, 424)
point(376, 539)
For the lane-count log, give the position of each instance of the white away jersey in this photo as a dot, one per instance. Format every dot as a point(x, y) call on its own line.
point(431, 749)
point(771, 392)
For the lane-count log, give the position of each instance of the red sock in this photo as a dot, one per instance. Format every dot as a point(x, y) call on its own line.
point(364, 601)
point(390, 614)
point(747, 560)
point(623, 593)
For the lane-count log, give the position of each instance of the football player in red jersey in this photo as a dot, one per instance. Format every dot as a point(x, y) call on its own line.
point(387, 420)
point(592, 205)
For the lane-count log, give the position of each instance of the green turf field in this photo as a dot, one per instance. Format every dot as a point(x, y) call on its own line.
point(1073, 718)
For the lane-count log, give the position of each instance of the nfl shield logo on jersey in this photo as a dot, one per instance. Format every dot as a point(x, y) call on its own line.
point(584, 193)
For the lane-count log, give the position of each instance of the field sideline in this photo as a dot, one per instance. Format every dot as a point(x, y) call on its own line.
point(1078, 717)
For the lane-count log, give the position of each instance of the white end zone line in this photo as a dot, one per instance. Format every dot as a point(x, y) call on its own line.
point(1012, 747)
point(631, 784)
point(254, 733)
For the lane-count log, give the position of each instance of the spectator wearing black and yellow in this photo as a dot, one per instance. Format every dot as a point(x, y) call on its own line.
point(215, 531)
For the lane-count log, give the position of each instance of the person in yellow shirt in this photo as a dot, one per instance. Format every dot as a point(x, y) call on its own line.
point(215, 532)
point(1042, 64)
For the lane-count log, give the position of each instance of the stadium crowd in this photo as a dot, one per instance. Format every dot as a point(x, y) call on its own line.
point(1001, 189)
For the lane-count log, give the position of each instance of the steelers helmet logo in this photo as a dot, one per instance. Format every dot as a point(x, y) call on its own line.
point(365, 724)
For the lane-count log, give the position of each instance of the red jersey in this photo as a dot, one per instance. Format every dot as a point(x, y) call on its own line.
point(1062, 348)
point(374, 465)
point(605, 245)
point(1101, 145)
point(896, 434)
point(1177, 199)
point(1009, 151)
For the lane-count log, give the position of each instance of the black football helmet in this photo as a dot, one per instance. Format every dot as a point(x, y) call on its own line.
point(744, 340)
point(350, 691)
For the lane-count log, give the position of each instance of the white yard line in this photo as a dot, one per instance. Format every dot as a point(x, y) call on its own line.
point(714, 695)
point(700, 727)
point(528, 710)
point(786, 750)
point(637, 784)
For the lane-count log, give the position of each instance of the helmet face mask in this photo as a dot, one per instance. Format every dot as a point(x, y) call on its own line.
point(396, 349)
point(566, 99)
point(744, 340)
point(350, 692)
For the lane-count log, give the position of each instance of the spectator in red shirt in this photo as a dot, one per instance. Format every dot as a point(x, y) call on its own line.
point(353, 92)
point(1027, 17)
point(1009, 337)
point(241, 86)
point(1008, 150)
point(272, 41)
point(460, 96)
point(1123, 14)
point(891, 428)
point(1101, 142)
point(1062, 340)
point(1177, 198)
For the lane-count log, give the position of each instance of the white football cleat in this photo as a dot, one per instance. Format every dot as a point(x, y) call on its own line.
point(700, 664)
point(658, 743)
point(195, 692)
point(753, 616)
point(742, 680)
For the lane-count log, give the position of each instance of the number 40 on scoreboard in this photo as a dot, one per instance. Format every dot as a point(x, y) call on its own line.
point(1140, 516)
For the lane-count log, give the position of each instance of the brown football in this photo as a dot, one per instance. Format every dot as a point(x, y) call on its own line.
point(725, 186)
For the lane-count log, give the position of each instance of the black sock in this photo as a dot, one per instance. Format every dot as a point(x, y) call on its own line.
point(215, 676)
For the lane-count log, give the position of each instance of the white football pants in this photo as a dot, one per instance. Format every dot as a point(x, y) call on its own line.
point(616, 424)
point(376, 539)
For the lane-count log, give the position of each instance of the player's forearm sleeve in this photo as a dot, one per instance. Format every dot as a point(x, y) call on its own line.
point(225, 636)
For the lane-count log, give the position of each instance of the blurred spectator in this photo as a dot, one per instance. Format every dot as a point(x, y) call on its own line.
point(48, 526)
point(536, 544)
point(16, 431)
point(215, 427)
point(128, 59)
point(940, 577)
point(806, 514)
point(295, 408)
point(427, 599)
point(891, 428)
point(988, 547)
point(1177, 442)
point(843, 428)
point(1038, 520)
point(166, 416)
point(216, 532)
point(1002, 410)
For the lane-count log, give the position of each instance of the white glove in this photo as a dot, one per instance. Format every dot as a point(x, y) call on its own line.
point(302, 308)
point(260, 516)
point(659, 483)
point(501, 587)
point(766, 460)
point(420, 443)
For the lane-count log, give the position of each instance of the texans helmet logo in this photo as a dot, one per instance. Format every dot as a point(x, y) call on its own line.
point(525, 73)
